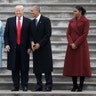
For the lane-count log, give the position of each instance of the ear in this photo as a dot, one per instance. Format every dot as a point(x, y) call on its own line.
point(81, 12)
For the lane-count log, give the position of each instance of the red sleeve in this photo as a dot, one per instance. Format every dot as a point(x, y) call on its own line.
point(69, 35)
point(83, 37)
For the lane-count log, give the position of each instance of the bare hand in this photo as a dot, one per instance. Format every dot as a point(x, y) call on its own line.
point(29, 51)
point(37, 46)
point(33, 46)
point(73, 46)
point(7, 48)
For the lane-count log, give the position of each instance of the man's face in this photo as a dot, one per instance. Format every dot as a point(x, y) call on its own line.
point(19, 12)
point(34, 12)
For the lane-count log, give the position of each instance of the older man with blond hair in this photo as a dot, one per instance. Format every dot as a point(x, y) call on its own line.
point(17, 44)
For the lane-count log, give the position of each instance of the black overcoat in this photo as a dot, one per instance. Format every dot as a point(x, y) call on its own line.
point(10, 38)
point(42, 58)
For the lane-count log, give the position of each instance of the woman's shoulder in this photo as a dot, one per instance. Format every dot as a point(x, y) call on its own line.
point(84, 19)
point(72, 20)
point(0, 22)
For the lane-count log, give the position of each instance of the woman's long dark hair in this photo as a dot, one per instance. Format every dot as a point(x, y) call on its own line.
point(80, 8)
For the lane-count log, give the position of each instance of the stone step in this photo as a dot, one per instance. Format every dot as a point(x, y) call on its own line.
point(90, 34)
point(61, 22)
point(63, 38)
point(57, 77)
point(56, 86)
point(45, 2)
point(55, 51)
point(57, 62)
point(60, 53)
point(56, 70)
point(63, 30)
point(49, 6)
point(64, 46)
point(50, 14)
point(52, 93)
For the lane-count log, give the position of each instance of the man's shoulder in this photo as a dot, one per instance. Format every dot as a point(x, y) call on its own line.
point(11, 18)
point(44, 18)
point(27, 19)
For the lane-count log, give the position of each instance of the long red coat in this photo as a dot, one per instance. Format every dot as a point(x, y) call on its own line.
point(77, 61)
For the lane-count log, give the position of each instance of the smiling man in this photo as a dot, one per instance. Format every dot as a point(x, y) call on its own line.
point(18, 46)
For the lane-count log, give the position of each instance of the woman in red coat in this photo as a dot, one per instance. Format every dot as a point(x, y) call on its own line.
point(77, 62)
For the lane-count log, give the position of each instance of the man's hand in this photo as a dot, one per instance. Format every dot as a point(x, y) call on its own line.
point(7, 48)
point(73, 46)
point(33, 46)
point(37, 46)
point(29, 51)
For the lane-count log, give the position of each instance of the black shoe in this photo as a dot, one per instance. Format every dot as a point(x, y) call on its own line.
point(39, 89)
point(80, 88)
point(25, 88)
point(74, 88)
point(48, 89)
point(15, 89)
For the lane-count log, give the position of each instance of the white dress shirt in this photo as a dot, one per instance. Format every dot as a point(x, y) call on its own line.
point(21, 20)
point(38, 18)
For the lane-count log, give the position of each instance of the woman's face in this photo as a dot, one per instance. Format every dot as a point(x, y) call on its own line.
point(76, 12)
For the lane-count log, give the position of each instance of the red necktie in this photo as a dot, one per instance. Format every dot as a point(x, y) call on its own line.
point(19, 32)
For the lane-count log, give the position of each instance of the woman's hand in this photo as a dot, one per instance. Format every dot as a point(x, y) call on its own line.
point(73, 46)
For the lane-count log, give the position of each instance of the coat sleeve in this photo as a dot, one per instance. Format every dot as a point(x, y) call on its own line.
point(83, 37)
point(6, 33)
point(48, 31)
point(70, 41)
point(2, 34)
point(2, 31)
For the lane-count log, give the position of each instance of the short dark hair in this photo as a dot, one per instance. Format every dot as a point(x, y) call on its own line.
point(36, 7)
point(80, 8)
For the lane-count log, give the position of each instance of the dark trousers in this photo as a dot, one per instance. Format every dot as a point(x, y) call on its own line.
point(48, 78)
point(19, 74)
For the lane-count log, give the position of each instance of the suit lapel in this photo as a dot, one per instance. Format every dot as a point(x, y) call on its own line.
point(34, 23)
point(40, 21)
point(23, 24)
point(14, 24)
point(76, 27)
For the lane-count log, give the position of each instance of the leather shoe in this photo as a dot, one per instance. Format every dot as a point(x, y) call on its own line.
point(39, 89)
point(48, 89)
point(25, 88)
point(15, 89)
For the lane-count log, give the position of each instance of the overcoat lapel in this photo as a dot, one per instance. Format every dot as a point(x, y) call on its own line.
point(14, 25)
point(76, 27)
point(39, 23)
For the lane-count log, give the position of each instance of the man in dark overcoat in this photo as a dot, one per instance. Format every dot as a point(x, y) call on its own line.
point(41, 46)
point(18, 47)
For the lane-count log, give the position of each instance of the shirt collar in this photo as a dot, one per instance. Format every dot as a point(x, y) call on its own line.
point(21, 18)
point(38, 18)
